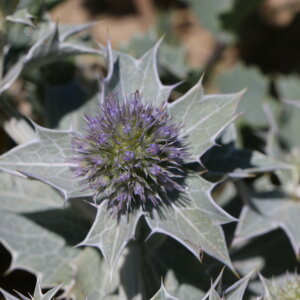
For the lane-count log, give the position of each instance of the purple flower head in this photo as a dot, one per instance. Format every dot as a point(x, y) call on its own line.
point(130, 151)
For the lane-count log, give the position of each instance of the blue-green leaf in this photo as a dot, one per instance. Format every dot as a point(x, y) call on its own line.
point(272, 210)
point(203, 117)
point(46, 158)
point(111, 234)
point(195, 222)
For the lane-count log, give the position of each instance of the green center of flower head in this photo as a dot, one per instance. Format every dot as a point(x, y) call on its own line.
point(130, 153)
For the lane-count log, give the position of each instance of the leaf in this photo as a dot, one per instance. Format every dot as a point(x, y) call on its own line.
point(130, 74)
point(75, 119)
point(272, 210)
point(237, 290)
point(38, 294)
point(140, 275)
point(51, 48)
point(46, 158)
point(213, 295)
point(19, 130)
point(196, 222)
point(288, 87)
point(257, 85)
point(110, 234)
point(8, 296)
point(162, 294)
point(170, 57)
point(23, 196)
point(35, 249)
point(209, 12)
point(93, 280)
point(48, 48)
point(288, 125)
point(11, 76)
point(182, 291)
point(233, 162)
point(41, 236)
point(203, 117)
point(21, 16)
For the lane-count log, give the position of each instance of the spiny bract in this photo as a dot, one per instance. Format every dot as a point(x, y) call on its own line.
point(130, 153)
point(289, 291)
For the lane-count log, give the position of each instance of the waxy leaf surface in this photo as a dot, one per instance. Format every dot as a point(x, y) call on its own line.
point(272, 210)
point(203, 117)
point(111, 234)
point(195, 222)
point(46, 158)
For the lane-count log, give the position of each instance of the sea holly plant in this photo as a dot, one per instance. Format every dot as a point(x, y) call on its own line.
point(135, 157)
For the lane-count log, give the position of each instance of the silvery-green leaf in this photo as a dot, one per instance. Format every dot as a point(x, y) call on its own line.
point(234, 162)
point(37, 249)
point(257, 91)
point(272, 210)
point(8, 296)
point(209, 12)
point(21, 16)
point(289, 92)
point(38, 294)
point(237, 290)
point(203, 117)
point(162, 294)
point(130, 74)
point(288, 87)
point(189, 292)
point(51, 48)
point(19, 130)
point(213, 295)
point(125, 75)
point(41, 236)
point(11, 75)
point(183, 290)
point(93, 280)
point(170, 57)
point(173, 59)
point(48, 48)
point(245, 266)
point(67, 31)
point(46, 158)
point(20, 195)
point(195, 222)
point(111, 234)
point(139, 276)
point(75, 119)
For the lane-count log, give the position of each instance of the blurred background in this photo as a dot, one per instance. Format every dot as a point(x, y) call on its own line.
point(236, 44)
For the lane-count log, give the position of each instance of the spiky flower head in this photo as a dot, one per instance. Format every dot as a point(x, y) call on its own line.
point(289, 291)
point(130, 153)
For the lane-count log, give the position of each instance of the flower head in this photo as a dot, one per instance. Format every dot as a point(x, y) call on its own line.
point(130, 152)
point(289, 291)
